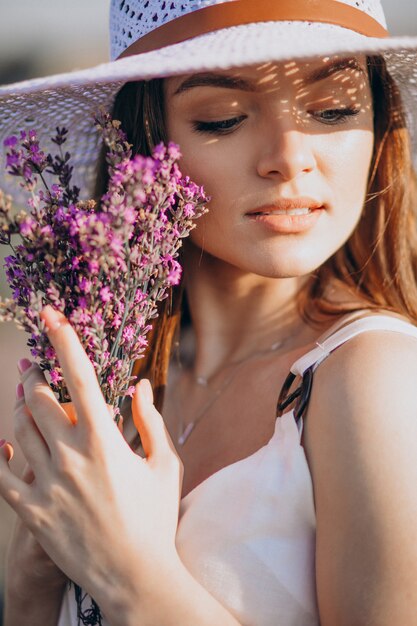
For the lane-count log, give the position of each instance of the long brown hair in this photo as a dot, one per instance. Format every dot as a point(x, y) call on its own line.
point(378, 263)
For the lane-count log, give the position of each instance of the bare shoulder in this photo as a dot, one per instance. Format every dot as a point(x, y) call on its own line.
point(361, 446)
point(376, 370)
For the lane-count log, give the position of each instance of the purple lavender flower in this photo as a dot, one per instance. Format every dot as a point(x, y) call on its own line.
point(105, 265)
point(10, 142)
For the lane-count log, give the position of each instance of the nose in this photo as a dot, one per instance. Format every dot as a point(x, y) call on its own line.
point(286, 152)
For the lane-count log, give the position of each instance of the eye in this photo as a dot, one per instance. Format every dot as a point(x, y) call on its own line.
point(218, 127)
point(335, 116)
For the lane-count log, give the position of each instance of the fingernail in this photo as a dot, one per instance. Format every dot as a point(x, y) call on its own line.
point(23, 365)
point(2, 442)
point(19, 391)
point(146, 389)
point(52, 318)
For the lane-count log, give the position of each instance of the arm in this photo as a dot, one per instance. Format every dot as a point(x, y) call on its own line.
point(43, 606)
point(106, 516)
point(185, 602)
point(34, 585)
point(362, 424)
point(169, 598)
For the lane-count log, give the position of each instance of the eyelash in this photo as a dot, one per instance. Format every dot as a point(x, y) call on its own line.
point(225, 127)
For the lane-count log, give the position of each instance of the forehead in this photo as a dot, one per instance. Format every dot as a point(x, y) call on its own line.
point(259, 78)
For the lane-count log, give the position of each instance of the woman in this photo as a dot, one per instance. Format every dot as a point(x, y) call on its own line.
point(309, 241)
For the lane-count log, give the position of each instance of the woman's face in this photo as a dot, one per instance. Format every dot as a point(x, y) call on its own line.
point(284, 151)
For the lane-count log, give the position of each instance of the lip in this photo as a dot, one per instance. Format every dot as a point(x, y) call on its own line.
point(286, 223)
point(287, 203)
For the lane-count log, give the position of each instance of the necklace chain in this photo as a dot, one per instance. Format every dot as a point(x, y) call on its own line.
point(204, 382)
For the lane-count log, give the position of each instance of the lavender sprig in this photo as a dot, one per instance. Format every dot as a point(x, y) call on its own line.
point(105, 265)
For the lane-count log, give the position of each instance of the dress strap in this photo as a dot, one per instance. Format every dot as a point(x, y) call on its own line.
point(308, 363)
point(327, 346)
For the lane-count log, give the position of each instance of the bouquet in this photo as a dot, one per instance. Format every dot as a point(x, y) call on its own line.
point(104, 264)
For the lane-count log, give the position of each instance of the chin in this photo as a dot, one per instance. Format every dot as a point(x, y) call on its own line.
point(288, 266)
point(287, 272)
point(291, 260)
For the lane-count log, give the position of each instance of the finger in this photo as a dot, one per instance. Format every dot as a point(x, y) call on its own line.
point(12, 489)
point(77, 368)
point(42, 404)
point(28, 436)
point(7, 450)
point(149, 423)
point(27, 475)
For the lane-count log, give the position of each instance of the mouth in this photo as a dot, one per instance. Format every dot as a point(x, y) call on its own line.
point(288, 215)
point(287, 206)
point(301, 211)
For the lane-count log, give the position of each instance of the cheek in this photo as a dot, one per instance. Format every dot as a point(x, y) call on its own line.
point(207, 161)
point(215, 162)
point(346, 170)
point(211, 164)
point(210, 161)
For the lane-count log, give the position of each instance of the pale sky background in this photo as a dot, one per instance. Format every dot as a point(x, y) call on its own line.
point(39, 37)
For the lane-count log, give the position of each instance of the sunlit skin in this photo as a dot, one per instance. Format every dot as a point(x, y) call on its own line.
point(241, 278)
point(275, 145)
point(279, 131)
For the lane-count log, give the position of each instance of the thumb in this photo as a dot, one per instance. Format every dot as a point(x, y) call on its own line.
point(148, 421)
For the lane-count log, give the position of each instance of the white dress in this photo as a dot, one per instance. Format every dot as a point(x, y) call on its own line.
point(247, 532)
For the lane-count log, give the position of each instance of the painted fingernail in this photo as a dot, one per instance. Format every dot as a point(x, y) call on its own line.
point(23, 365)
point(52, 318)
point(8, 448)
point(19, 391)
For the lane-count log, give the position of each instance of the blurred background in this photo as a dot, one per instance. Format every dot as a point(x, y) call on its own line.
point(39, 38)
point(52, 36)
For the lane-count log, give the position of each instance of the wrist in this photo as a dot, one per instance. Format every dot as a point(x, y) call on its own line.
point(126, 602)
point(172, 597)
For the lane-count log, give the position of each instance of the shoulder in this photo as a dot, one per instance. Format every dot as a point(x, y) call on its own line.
point(377, 366)
point(361, 443)
point(364, 401)
point(367, 385)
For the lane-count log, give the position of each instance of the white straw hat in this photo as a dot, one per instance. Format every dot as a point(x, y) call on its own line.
point(159, 38)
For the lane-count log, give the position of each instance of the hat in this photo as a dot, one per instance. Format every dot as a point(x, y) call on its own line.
point(161, 38)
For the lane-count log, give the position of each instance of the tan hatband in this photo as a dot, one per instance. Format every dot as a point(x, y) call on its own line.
point(237, 12)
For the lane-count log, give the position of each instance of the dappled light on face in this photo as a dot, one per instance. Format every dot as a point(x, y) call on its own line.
point(338, 84)
point(304, 89)
point(267, 74)
point(315, 96)
point(292, 71)
point(209, 142)
point(264, 134)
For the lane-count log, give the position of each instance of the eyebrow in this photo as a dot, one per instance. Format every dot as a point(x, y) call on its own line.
point(212, 79)
point(332, 68)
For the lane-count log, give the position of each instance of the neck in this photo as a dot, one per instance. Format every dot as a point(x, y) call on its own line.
point(236, 314)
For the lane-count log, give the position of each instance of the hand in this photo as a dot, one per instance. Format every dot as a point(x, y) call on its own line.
point(106, 516)
point(31, 574)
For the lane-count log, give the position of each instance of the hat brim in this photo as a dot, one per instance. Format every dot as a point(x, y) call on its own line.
point(72, 98)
